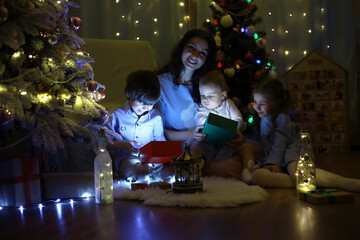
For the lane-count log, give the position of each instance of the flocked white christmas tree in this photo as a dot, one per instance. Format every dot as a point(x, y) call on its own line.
point(47, 86)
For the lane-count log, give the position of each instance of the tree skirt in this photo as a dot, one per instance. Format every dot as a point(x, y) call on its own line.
point(218, 192)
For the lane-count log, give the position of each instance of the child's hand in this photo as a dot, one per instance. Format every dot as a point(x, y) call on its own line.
point(198, 135)
point(129, 147)
point(273, 168)
point(237, 141)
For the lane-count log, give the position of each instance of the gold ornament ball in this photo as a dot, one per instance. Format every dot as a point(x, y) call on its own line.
point(229, 72)
point(226, 21)
point(64, 93)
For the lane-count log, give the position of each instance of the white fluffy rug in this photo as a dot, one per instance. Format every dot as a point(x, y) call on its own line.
point(218, 192)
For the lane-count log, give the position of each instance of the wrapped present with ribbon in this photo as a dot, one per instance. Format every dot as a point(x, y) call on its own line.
point(20, 181)
point(324, 196)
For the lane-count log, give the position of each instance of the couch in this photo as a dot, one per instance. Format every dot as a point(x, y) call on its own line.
point(114, 60)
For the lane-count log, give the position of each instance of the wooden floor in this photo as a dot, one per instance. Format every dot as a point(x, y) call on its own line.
point(280, 216)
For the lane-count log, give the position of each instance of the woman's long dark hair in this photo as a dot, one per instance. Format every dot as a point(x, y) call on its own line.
point(274, 91)
point(175, 65)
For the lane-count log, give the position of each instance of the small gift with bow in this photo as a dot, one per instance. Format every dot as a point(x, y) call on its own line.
point(20, 181)
point(324, 196)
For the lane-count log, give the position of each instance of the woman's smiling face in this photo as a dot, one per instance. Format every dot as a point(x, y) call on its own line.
point(195, 53)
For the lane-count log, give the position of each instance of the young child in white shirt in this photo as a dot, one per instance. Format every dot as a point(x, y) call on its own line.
point(225, 160)
point(136, 123)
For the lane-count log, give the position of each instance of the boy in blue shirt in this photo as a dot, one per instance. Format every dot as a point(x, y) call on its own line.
point(137, 123)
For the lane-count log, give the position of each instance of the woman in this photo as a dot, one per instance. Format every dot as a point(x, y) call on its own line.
point(192, 57)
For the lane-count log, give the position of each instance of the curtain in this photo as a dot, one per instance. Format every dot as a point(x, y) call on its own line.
point(161, 22)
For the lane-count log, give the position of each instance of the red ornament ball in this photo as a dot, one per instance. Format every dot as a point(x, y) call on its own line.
point(248, 55)
point(260, 42)
point(74, 23)
point(220, 56)
point(42, 87)
point(5, 116)
point(257, 75)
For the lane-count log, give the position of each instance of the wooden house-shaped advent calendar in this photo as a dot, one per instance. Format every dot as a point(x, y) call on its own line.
point(318, 87)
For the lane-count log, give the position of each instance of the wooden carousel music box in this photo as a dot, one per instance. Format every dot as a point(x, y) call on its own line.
point(187, 173)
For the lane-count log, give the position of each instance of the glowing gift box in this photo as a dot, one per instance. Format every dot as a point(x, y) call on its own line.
point(219, 130)
point(20, 181)
point(324, 196)
point(160, 151)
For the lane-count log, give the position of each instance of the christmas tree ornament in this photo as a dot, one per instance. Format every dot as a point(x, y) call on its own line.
point(248, 56)
point(88, 71)
point(238, 63)
point(4, 14)
point(223, 3)
point(217, 39)
point(45, 32)
point(187, 173)
point(250, 31)
point(43, 87)
point(229, 72)
point(226, 21)
point(32, 59)
point(252, 6)
point(261, 42)
point(74, 23)
point(5, 116)
point(220, 56)
point(305, 170)
point(53, 39)
point(64, 93)
point(91, 85)
point(258, 75)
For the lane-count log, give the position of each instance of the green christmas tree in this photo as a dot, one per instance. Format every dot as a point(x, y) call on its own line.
point(241, 53)
point(47, 86)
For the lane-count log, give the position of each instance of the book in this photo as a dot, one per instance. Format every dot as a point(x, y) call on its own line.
point(219, 130)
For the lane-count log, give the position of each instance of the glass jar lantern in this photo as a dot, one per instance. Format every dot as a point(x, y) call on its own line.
point(305, 170)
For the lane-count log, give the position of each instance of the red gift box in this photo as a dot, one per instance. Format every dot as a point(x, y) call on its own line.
point(20, 181)
point(160, 151)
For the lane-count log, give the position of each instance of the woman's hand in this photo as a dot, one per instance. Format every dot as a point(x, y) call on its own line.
point(198, 135)
point(237, 141)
